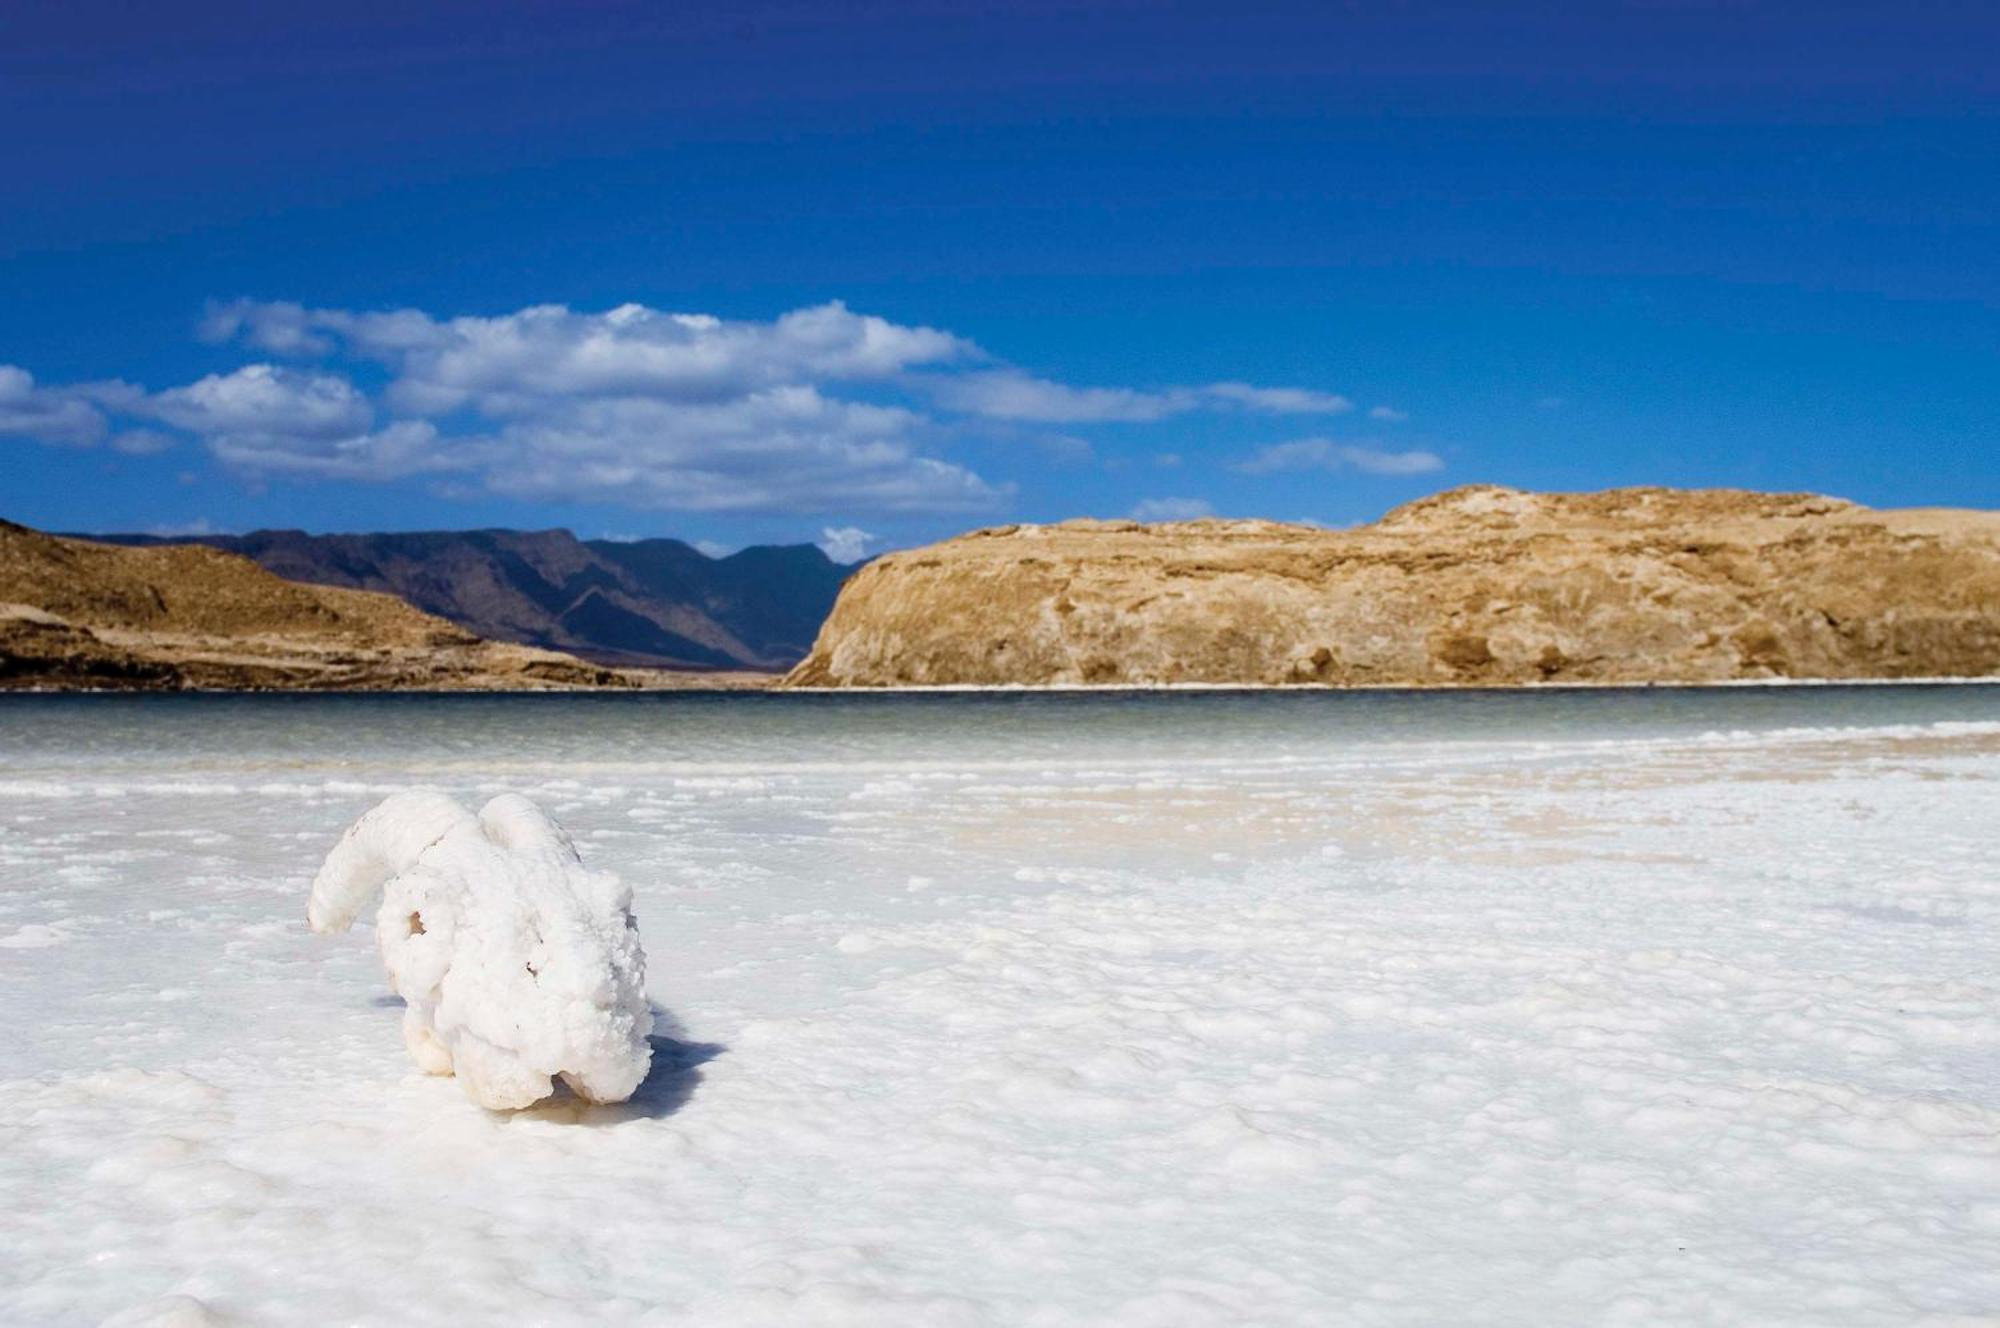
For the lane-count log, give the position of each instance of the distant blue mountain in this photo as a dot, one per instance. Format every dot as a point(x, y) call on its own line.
point(654, 602)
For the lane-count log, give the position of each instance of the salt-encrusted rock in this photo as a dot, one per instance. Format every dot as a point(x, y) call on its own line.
point(517, 964)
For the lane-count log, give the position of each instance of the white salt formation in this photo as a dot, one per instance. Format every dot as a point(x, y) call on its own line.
point(1388, 1010)
point(517, 964)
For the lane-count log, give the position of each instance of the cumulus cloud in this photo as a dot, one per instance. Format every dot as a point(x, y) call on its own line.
point(504, 364)
point(1171, 509)
point(788, 449)
point(397, 451)
point(845, 544)
point(632, 406)
point(819, 410)
point(1326, 454)
point(279, 327)
point(271, 419)
point(47, 415)
point(265, 400)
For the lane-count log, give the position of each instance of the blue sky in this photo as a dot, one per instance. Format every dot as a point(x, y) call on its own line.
point(389, 267)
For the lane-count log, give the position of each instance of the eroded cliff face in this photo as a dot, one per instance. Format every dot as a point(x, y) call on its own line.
point(1480, 586)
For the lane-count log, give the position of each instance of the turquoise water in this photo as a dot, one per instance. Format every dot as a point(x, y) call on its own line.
point(70, 733)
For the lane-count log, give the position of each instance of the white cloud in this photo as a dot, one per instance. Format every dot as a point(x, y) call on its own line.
point(632, 406)
point(1304, 454)
point(201, 525)
point(1064, 449)
point(46, 414)
point(279, 327)
point(1388, 414)
point(143, 442)
point(270, 419)
point(1010, 395)
point(1279, 400)
point(714, 548)
point(782, 449)
point(265, 400)
point(1378, 461)
point(397, 451)
point(503, 364)
point(1326, 454)
point(1171, 509)
point(554, 350)
point(845, 544)
point(789, 449)
point(820, 410)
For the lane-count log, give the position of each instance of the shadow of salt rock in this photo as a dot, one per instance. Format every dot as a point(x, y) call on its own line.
point(669, 1083)
point(667, 1087)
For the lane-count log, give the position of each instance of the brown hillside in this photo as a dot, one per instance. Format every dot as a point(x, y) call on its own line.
point(78, 614)
point(1478, 586)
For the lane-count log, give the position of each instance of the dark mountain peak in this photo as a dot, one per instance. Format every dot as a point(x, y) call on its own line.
point(645, 542)
point(657, 601)
point(789, 555)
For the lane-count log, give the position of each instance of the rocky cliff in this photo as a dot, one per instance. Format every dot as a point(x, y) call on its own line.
point(1479, 586)
point(75, 614)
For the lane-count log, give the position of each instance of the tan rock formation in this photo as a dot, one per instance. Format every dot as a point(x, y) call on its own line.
point(1479, 586)
point(78, 614)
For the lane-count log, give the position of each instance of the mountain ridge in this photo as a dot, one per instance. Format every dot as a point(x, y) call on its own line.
point(78, 614)
point(651, 603)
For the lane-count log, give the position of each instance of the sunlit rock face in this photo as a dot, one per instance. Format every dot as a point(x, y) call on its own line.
point(1479, 586)
point(518, 966)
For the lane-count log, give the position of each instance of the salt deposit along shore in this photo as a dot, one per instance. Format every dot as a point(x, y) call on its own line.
point(1274, 1009)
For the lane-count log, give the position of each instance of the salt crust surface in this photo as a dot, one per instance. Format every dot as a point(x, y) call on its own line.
point(1700, 1030)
